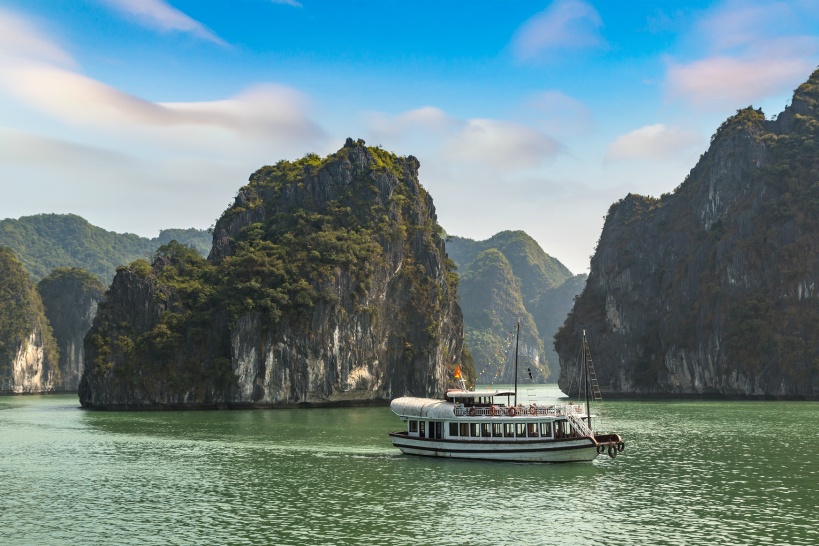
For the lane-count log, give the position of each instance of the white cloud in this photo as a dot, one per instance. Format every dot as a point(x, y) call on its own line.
point(656, 142)
point(565, 24)
point(726, 82)
point(159, 15)
point(500, 145)
point(18, 38)
point(288, 3)
point(427, 119)
point(558, 113)
point(753, 50)
point(265, 110)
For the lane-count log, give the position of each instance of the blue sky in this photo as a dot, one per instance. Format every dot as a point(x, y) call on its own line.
point(146, 114)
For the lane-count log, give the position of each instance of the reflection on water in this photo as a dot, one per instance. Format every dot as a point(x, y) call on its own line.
point(692, 473)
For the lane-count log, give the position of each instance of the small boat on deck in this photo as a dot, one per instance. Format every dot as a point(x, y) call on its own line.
point(488, 425)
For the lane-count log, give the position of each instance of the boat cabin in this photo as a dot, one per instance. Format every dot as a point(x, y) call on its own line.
point(480, 416)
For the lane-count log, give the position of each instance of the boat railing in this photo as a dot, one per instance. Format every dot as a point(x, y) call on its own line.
point(581, 427)
point(533, 410)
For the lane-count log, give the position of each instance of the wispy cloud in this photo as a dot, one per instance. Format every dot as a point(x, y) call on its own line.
point(558, 113)
point(655, 142)
point(427, 119)
point(159, 15)
point(500, 145)
point(39, 73)
point(288, 3)
point(480, 143)
point(753, 50)
point(262, 110)
point(20, 39)
point(565, 24)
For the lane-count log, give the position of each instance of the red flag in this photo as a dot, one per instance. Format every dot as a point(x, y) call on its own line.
point(457, 372)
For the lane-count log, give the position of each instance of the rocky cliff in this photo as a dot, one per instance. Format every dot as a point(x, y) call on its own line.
point(28, 353)
point(492, 304)
point(538, 289)
point(70, 296)
point(712, 290)
point(327, 283)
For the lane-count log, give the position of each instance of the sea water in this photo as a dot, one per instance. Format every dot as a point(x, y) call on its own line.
point(693, 472)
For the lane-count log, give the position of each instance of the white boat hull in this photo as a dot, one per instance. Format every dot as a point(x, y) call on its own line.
point(547, 451)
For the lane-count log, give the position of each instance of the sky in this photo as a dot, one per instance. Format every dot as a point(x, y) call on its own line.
point(140, 115)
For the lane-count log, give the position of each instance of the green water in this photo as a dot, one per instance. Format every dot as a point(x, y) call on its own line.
point(692, 473)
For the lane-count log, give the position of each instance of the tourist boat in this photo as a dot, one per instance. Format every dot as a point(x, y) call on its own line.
point(489, 425)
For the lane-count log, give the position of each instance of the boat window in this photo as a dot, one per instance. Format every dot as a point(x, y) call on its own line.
point(520, 430)
point(453, 429)
point(422, 429)
point(560, 429)
point(509, 430)
point(532, 430)
point(474, 429)
point(413, 426)
point(438, 430)
point(546, 430)
point(486, 431)
point(464, 429)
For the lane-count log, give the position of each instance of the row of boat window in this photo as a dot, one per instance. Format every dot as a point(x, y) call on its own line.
point(492, 430)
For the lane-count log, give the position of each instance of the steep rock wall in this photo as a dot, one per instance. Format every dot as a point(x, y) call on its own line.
point(711, 291)
point(28, 353)
point(70, 297)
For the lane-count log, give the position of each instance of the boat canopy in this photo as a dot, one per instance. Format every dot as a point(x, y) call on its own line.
point(426, 408)
point(477, 394)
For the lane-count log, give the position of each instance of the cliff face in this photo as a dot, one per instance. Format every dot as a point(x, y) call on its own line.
point(492, 304)
point(28, 353)
point(327, 283)
point(712, 291)
point(70, 297)
point(538, 289)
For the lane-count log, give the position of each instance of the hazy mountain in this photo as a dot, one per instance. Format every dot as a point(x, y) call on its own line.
point(45, 242)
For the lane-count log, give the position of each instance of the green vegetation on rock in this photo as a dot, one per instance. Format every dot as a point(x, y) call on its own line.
point(21, 312)
point(303, 245)
point(491, 302)
point(523, 283)
point(70, 296)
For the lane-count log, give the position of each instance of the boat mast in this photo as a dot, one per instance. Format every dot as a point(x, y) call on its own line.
point(586, 377)
point(517, 338)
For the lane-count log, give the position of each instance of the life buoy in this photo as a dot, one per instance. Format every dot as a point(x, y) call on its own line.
point(512, 412)
point(493, 411)
point(620, 447)
point(532, 410)
point(612, 451)
point(472, 412)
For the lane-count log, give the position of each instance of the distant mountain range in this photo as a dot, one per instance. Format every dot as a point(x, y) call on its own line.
point(506, 278)
point(45, 242)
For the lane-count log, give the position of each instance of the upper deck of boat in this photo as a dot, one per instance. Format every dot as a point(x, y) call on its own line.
point(480, 404)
